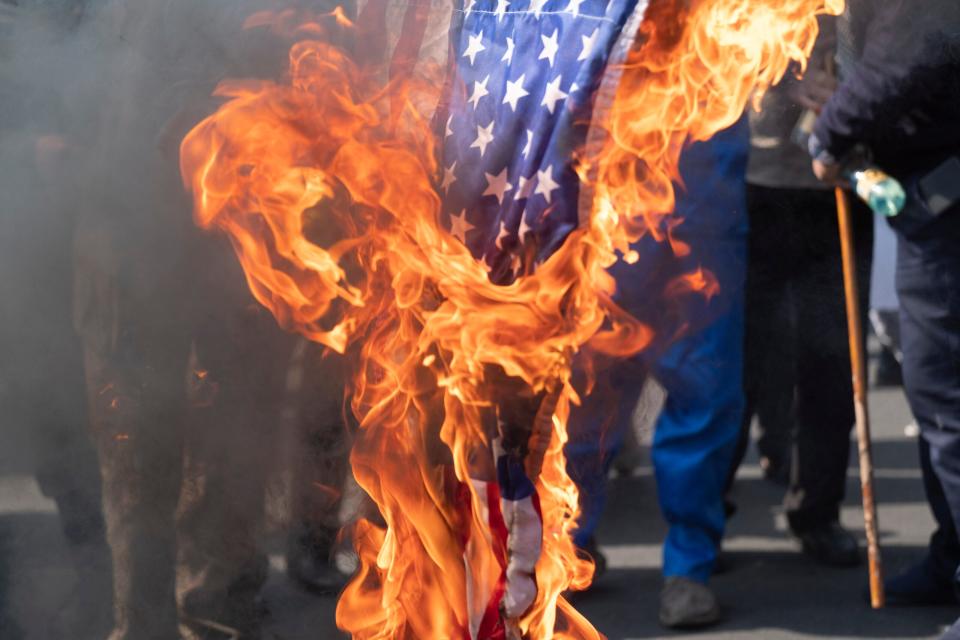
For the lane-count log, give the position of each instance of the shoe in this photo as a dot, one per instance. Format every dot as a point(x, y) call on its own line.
point(233, 613)
point(830, 544)
point(591, 551)
point(687, 604)
point(918, 586)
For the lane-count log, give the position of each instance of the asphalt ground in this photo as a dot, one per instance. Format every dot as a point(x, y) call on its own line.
point(769, 590)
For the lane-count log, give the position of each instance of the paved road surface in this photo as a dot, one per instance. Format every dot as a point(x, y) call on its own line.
point(770, 591)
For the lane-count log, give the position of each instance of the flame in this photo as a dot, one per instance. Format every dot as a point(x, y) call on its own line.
point(325, 183)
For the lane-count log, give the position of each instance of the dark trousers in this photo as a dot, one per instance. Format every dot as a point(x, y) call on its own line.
point(928, 284)
point(797, 363)
point(185, 379)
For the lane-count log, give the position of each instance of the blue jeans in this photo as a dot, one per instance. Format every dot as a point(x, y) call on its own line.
point(697, 356)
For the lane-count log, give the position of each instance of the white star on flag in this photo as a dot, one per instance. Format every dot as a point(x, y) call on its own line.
point(448, 177)
point(484, 137)
point(588, 42)
point(525, 187)
point(574, 7)
point(474, 47)
point(508, 56)
point(498, 243)
point(459, 226)
point(524, 227)
point(536, 6)
point(529, 95)
point(479, 90)
point(545, 183)
point(553, 94)
point(550, 47)
point(497, 185)
point(515, 91)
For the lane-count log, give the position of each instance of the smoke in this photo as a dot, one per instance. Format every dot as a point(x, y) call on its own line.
point(95, 97)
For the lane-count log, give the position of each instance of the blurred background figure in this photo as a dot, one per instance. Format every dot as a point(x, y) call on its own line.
point(884, 307)
point(184, 371)
point(797, 377)
point(698, 360)
point(42, 397)
point(900, 65)
point(325, 497)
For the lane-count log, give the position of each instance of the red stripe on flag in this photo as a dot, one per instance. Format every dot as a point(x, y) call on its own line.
point(491, 626)
point(411, 39)
point(372, 30)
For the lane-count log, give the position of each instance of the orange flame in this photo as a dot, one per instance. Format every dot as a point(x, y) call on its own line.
point(325, 185)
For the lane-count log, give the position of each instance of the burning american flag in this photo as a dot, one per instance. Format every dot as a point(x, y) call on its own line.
point(439, 198)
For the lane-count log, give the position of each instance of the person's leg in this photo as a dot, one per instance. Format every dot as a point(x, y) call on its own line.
point(944, 549)
point(884, 314)
point(695, 440)
point(135, 351)
point(68, 471)
point(136, 415)
point(824, 385)
point(321, 468)
point(928, 284)
point(237, 377)
point(596, 436)
point(769, 338)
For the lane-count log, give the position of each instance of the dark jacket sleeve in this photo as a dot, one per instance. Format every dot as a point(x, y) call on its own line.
point(877, 91)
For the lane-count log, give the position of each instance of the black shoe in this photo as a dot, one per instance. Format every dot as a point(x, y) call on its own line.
point(830, 544)
point(918, 586)
point(234, 614)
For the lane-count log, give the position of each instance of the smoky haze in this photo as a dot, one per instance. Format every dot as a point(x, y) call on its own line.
point(95, 97)
point(96, 237)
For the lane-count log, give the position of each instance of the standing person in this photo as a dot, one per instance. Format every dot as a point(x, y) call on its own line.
point(797, 376)
point(697, 431)
point(900, 64)
point(184, 371)
point(41, 368)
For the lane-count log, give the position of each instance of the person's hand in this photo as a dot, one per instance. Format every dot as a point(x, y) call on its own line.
point(814, 89)
point(828, 172)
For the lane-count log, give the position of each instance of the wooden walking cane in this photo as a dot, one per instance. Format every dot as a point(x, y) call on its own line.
point(858, 364)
